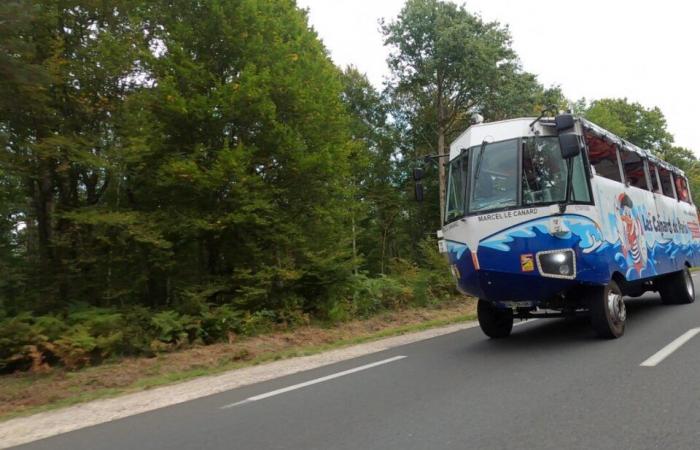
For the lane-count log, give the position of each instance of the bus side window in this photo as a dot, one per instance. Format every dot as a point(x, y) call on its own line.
point(682, 188)
point(666, 185)
point(633, 166)
point(603, 157)
point(654, 180)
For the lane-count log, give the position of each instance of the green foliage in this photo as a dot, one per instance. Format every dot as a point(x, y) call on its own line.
point(15, 338)
point(258, 322)
point(76, 348)
point(218, 324)
point(645, 127)
point(177, 173)
point(174, 146)
point(170, 327)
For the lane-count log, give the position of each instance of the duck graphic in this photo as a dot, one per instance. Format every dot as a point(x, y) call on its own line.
point(630, 231)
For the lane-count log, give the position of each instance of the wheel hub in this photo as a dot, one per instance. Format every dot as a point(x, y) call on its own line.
point(689, 284)
point(616, 306)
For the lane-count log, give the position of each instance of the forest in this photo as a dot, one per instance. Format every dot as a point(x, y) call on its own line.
point(173, 172)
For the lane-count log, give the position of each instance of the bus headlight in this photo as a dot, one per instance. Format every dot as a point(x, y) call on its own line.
point(557, 263)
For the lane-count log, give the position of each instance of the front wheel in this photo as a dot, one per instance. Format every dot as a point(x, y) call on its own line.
point(494, 322)
point(677, 288)
point(608, 312)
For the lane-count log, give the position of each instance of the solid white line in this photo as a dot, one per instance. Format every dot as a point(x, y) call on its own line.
point(662, 354)
point(311, 382)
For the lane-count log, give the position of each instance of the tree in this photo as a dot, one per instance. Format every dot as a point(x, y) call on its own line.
point(446, 63)
point(173, 150)
point(74, 61)
point(645, 127)
point(247, 167)
point(381, 202)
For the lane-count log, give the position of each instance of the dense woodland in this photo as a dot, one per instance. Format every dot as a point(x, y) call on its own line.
point(176, 172)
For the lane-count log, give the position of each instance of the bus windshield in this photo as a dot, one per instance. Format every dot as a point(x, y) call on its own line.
point(494, 176)
point(517, 172)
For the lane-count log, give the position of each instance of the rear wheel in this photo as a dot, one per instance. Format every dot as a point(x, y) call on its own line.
point(494, 322)
point(608, 312)
point(677, 288)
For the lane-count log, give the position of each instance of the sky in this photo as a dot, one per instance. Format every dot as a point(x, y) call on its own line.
point(643, 50)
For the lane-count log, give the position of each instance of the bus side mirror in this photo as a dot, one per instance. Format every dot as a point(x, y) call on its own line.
point(419, 191)
point(418, 174)
point(570, 145)
point(564, 122)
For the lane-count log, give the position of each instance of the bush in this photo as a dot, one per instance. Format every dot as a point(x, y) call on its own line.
point(371, 295)
point(138, 331)
point(291, 313)
point(86, 335)
point(439, 281)
point(170, 327)
point(15, 339)
point(76, 348)
point(340, 311)
point(259, 322)
point(220, 323)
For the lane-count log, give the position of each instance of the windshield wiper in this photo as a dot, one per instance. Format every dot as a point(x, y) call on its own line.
point(477, 169)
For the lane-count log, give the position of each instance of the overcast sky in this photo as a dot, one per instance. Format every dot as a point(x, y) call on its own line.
point(643, 50)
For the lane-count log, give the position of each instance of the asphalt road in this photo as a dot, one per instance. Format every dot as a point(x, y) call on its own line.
point(551, 385)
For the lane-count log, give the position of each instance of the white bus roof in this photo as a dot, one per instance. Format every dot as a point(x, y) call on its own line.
point(520, 127)
point(626, 145)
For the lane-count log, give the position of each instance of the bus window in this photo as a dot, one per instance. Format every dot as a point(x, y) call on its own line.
point(666, 184)
point(603, 157)
point(494, 176)
point(545, 173)
point(682, 188)
point(456, 188)
point(633, 168)
point(654, 178)
point(579, 181)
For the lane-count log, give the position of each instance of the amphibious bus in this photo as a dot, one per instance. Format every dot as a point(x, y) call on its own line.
point(556, 216)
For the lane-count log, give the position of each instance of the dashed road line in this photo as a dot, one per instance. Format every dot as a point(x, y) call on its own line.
point(662, 354)
point(312, 382)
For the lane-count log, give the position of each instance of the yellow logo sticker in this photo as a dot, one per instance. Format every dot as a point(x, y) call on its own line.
point(527, 263)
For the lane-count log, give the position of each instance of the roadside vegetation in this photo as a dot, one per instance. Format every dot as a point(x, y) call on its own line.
point(178, 174)
point(86, 335)
point(24, 393)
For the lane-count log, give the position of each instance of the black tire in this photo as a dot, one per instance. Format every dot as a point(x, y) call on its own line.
point(494, 322)
point(677, 288)
point(608, 312)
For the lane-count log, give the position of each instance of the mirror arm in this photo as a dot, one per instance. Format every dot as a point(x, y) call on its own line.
point(433, 159)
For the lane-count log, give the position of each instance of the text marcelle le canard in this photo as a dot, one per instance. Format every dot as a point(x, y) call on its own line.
point(508, 214)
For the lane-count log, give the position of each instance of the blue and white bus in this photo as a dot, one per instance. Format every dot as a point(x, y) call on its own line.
point(557, 216)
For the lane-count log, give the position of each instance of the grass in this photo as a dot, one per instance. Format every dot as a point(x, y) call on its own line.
point(29, 393)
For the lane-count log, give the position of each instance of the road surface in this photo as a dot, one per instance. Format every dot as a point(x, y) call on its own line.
point(551, 385)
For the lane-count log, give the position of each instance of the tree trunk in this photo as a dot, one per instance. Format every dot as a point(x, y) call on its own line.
point(43, 205)
point(354, 245)
point(441, 172)
point(441, 130)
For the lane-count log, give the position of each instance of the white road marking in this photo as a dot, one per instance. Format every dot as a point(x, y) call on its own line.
point(312, 382)
point(662, 354)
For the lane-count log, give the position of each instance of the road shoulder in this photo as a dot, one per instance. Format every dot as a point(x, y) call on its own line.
point(39, 426)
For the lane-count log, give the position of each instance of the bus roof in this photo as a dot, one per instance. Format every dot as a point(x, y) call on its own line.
point(499, 130)
point(626, 145)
